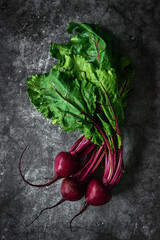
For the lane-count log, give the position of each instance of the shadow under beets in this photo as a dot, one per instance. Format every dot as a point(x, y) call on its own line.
point(139, 115)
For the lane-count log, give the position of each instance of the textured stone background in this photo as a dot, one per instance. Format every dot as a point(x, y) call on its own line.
point(26, 30)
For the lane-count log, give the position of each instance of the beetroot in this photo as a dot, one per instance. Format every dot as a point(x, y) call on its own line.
point(65, 165)
point(97, 194)
point(71, 190)
point(86, 91)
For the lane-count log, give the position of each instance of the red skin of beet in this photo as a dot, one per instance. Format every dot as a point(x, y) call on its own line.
point(97, 194)
point(71, 189)
point(65, 165)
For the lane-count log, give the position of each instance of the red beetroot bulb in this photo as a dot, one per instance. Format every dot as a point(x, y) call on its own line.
point(97, 194)
point(71, 189)
point(65, 165)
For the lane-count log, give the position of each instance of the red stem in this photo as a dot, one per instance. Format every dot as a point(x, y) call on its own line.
point(106, 167)
point(89, 169)
point(88, 150)
point(97, 49)
point(78, 174)
point(118, 179)
point(73, 147)
point(115, 177)
point(105, 176)
point(98, 162)
point(113, 163)
point(119, 166)
point(115, 153)
point(81, 147)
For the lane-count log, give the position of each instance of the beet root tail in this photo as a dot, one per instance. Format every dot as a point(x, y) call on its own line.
point(54, 179)
point(47, 208)
point(85, 205)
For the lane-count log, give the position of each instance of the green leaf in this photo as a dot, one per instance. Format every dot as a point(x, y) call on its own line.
point(69, 103)
point(80, 68)
point(108, 83)
point(107, 127)
point(87, 83)
point(124, 71)
point(36, 95)
point(59, 51)
point(91, 132)
point(91, 43)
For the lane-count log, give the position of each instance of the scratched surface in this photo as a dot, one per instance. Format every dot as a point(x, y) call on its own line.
point(26, 30)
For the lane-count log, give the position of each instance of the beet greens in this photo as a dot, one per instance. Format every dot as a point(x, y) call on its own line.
point(85, 91)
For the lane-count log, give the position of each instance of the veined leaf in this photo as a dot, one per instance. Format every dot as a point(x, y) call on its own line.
point(80, 68)
point(91, 43)
point(69, 103)
point(86, 84)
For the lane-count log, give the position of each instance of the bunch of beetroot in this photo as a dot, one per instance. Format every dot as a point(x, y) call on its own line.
point(86, 90)
point(76, 167)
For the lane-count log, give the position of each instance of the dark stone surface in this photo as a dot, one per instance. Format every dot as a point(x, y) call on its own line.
point(26, 30)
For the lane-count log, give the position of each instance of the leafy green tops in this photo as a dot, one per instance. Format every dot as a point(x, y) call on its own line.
point(84, 86)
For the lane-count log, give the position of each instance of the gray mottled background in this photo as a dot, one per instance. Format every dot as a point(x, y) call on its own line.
point(26, 30)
